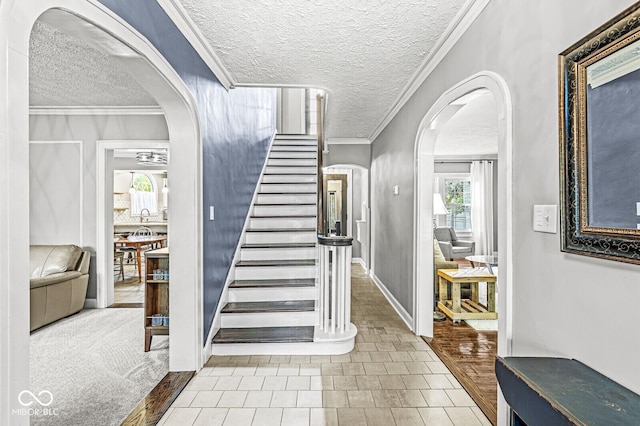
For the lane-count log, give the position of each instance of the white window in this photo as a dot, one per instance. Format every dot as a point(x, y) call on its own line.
point(145, 196)
point(457, 199)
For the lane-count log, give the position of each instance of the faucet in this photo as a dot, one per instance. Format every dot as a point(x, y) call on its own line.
point(142, 215)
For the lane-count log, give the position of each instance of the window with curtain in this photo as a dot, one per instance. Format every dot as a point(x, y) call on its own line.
point(457, 199)
point(145, 196)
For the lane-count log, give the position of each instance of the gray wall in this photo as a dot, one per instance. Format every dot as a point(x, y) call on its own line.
point(88, 129)
point(348, 154)
point(562, 303)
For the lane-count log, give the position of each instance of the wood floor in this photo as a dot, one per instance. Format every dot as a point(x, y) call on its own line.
point(151, 409)
point(470, 355)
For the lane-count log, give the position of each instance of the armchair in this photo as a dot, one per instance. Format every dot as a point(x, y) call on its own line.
point(451, 246)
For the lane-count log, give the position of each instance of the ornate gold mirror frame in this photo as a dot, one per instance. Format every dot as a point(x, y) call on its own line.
point(599, 168)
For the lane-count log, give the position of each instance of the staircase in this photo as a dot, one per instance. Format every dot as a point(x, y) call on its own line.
point(272, 302)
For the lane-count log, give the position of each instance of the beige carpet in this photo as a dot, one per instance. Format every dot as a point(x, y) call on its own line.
point(95, 367)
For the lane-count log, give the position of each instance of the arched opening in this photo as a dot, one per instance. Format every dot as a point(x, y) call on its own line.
point(425, 146)
point(139, 59)
point(358, 210)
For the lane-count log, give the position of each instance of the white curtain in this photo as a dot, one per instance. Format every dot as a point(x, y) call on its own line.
point(482, 206)
point(144, 200)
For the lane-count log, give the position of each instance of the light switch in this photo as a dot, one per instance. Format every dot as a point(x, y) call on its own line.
point(638, 209)
point(395, 190)
point(211, 213)
point(545, 218)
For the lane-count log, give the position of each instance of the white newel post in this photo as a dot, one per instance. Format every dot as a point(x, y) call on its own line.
point(335, 285)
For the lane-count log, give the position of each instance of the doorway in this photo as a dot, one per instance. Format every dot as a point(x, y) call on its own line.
point(440, 113)
point(182, 122)
point(357, 211)
point(334, 200)
point(140, 206)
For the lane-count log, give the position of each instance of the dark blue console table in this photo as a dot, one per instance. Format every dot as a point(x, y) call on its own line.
point(560, 391)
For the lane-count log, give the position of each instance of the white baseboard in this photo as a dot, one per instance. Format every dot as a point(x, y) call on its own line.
point(91, 304)
point(359, 261)
point(394, 303)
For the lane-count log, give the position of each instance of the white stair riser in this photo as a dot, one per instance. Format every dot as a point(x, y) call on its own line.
point(292, 162)
point(278, 253)
point(286, 198)
point(286, 142)
point(285, 222)
point(293, 154)
point(280, 237)
point(284, 210)
point(285, 170)
point(275, 294)
point(267, 272)
point(270, 319)
point(285, 148)
point(291, 187)
point(289, 178)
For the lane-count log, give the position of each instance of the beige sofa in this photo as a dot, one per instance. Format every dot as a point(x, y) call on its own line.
point(59, 278)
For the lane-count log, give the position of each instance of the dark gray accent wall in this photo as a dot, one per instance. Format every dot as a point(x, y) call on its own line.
point(236, 128)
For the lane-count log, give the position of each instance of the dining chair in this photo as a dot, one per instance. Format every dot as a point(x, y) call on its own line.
point(118, 258)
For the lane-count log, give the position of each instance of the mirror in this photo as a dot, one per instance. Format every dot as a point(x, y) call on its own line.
point(600, 141)
point(335, 204)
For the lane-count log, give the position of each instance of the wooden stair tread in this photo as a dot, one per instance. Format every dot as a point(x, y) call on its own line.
point(292, 262)
point(288, 183)
point(289, 204)
point(287, 216)
point(281, 230)
point(276, 306)
point(293, 282)
point(265, 335)
point(286, 193)
point(289, 174)
point(277, 245)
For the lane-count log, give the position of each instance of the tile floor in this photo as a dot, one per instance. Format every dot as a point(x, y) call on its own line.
point(390, 378)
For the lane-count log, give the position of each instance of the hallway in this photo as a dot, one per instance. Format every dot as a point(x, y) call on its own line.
point(391, 377)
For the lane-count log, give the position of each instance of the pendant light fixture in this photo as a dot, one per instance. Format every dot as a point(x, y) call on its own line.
point(132, 190)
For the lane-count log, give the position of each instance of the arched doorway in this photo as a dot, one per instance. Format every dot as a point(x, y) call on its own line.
point(426, 137)
point(16, 20)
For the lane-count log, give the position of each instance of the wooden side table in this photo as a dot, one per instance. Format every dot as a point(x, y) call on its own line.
point(461, 309)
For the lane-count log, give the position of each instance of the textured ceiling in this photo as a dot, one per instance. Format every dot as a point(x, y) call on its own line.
point(63, 71)
point(472, 131)
point(363, 52)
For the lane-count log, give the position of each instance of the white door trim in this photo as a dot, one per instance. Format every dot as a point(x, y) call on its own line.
point(17, 18)
point(104, 238)
point(423, 289)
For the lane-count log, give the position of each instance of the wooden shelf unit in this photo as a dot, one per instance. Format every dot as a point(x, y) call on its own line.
point(156, 294)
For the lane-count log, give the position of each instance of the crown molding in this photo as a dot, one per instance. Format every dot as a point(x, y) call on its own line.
point(461, 23)
point(192, 33)
point(348, 141)
point(95, 110)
